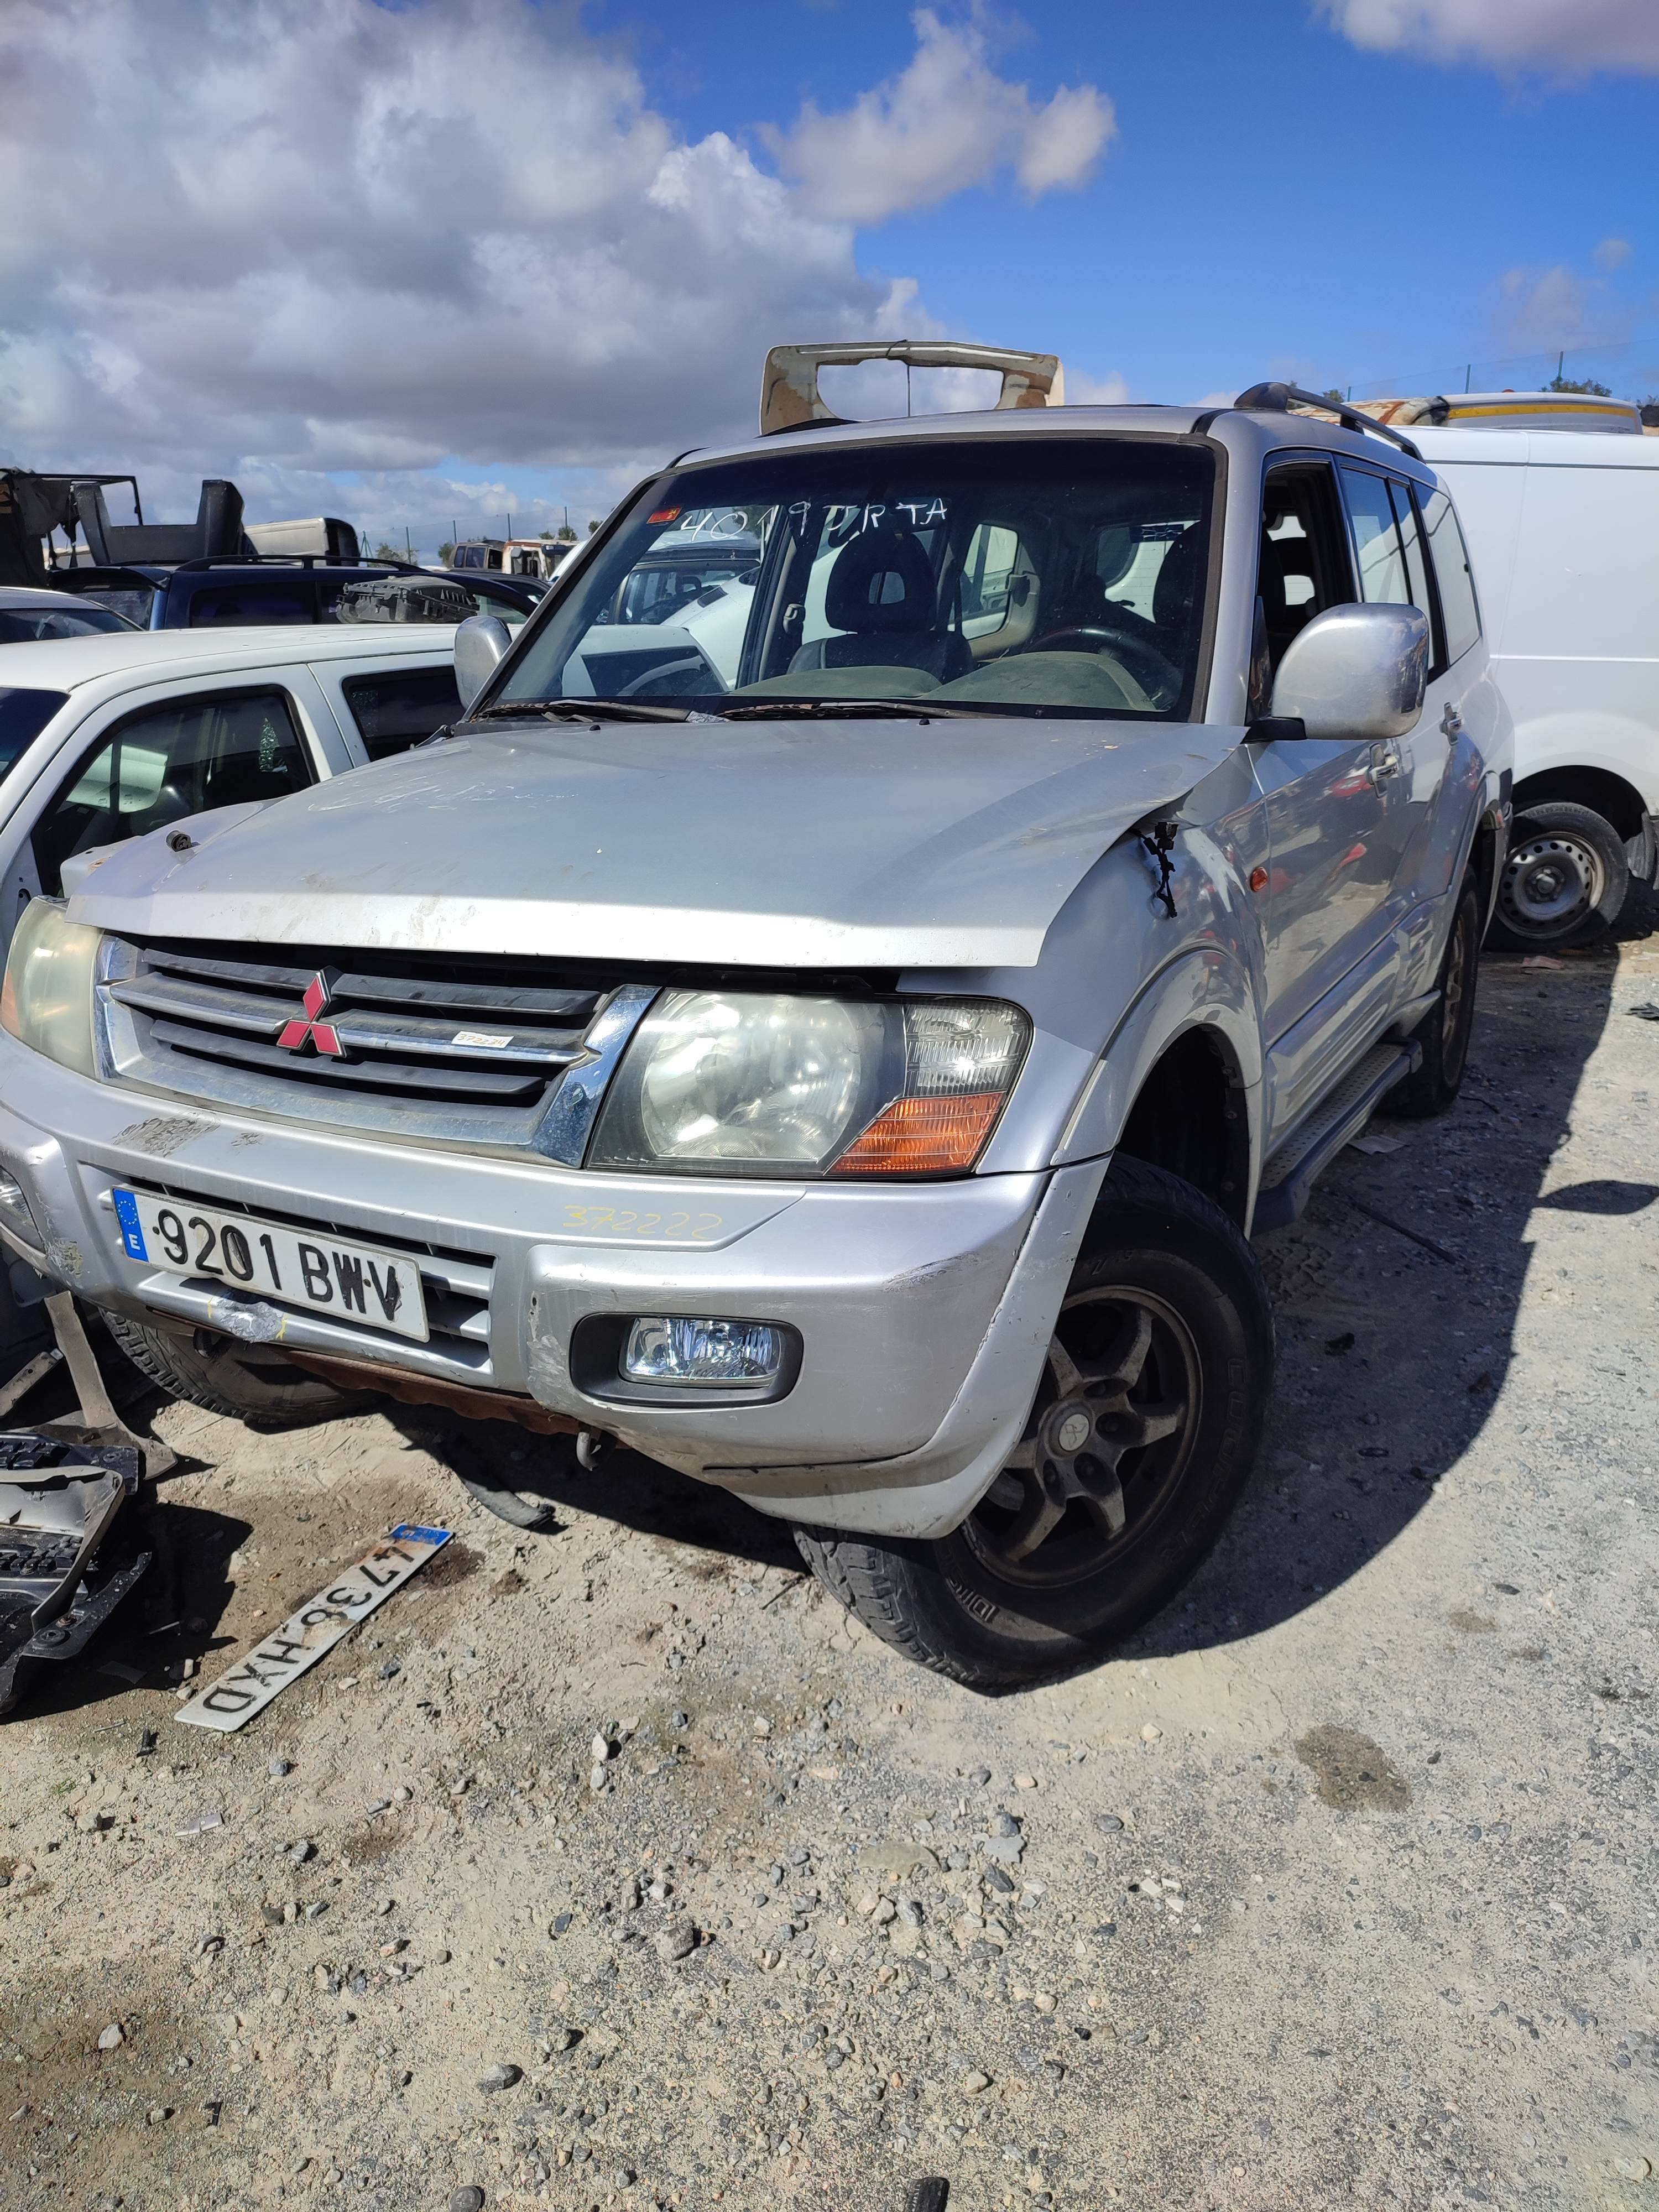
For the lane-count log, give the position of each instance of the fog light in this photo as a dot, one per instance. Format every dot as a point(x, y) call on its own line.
point(661, 1348)
point(15, 1213)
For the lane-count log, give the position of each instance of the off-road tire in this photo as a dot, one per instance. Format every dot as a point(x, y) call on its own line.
point(942, 1605)
point(1587, 843)
point(273, 1396)
point(1445, 1032)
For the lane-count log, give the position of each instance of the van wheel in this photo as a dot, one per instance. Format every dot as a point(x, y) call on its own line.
point(276, 1396)
point(1564, 881)
point(1445, 1034)
point(1139, 1440)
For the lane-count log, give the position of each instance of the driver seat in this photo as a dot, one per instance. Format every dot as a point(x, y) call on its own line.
point(881, 593)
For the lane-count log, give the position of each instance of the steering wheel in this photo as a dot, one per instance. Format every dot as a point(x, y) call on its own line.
point(1157, 675)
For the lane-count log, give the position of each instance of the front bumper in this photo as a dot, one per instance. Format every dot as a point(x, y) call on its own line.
point(923, 1311)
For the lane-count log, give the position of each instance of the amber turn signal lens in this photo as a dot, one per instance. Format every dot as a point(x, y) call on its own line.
point(923, 1136)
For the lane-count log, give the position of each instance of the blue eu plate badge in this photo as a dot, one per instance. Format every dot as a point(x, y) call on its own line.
point(132, 1233)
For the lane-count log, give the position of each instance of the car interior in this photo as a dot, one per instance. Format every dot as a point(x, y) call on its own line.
point(1065, 578)
point(166, 762)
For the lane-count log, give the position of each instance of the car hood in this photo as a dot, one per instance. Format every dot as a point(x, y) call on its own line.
point(794, 844)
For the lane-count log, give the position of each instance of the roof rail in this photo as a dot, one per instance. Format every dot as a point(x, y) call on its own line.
point(1276, 399)
point(283, 561)
point(790, 399)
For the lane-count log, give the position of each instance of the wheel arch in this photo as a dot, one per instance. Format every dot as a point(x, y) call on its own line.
point(1179, 1084)
point(1610, 795)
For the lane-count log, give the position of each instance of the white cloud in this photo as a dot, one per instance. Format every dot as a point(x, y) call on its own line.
point(1545, 308)
point(266, 238)
point(1571, 37)
point(1083, 389)
point(1613, 253)
point(946, 122)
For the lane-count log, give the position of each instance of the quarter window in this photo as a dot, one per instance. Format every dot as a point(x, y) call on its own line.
point(168, 762)
point(397, 710)
point(1459, 609)
point(1417, 578)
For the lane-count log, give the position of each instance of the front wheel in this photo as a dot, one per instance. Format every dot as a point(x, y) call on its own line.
point(1564, 880)
point(206, 1371)
point(1139, 1440)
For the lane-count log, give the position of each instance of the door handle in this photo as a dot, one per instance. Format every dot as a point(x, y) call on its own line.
point(1385, 763)
point(1452, 722)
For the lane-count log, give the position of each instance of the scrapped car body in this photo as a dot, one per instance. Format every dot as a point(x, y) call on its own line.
point(28, 616)
point(848, 1071)
point(106, 738)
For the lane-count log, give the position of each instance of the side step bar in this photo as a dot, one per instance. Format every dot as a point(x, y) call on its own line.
point(1288, 1177)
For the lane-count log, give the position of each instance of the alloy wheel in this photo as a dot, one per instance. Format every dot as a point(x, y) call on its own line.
point(1107, 1443)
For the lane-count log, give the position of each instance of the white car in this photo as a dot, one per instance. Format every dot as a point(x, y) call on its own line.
point(30, 616)
point(105, 737)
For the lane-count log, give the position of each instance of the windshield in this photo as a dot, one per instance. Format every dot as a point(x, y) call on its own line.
point(23, 715)
point(1018, 575)
point(18, 624)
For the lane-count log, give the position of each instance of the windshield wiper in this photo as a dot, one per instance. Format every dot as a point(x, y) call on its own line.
point(584, 710)
point(819, 709)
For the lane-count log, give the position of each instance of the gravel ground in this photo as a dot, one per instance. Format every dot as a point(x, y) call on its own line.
point(1337, 1885)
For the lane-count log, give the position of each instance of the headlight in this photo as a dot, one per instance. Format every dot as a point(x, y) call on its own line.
point(740, 1082)
point(47, 1002)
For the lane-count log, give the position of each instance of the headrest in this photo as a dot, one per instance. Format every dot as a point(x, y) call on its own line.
point(1285, 556)
point(883, 580)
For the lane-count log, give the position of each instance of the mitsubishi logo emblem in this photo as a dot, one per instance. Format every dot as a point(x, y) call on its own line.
point(323, 1035)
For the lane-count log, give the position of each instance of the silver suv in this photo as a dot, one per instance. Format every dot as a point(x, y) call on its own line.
point(837, 1038)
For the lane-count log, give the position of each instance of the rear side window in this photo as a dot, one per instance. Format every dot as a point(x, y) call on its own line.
point(134, 601)
point(23, 715)
point(233, 606)
point(1375, 539)
point(165, 763)
point(398, 710)
point(1459, 609)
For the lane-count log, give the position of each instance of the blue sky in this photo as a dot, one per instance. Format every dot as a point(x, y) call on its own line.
point(1275, 199)
point(418, 260)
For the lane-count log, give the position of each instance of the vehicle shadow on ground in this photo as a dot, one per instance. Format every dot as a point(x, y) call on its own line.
point(624, 1487)
point(1395, 1301)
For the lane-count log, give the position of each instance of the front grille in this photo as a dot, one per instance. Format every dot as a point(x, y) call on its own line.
point(470, 1049)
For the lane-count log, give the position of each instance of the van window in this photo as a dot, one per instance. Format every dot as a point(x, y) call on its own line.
point(166, 762)
point(398, 710)
point(1458, 610)
point(1375, 539)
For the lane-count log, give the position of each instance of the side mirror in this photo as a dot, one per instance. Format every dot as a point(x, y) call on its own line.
point(480, 642)
point(1354, 672)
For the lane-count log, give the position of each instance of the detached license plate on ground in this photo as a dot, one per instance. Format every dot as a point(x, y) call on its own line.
point(351, 1282)
point(232, 1701)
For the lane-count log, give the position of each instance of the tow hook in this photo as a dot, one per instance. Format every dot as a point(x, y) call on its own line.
point(590, 1448)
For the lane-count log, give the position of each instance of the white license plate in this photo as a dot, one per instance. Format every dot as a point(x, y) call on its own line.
point(354, 1282)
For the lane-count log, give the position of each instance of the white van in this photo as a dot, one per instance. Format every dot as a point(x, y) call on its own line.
point(1563, 528)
